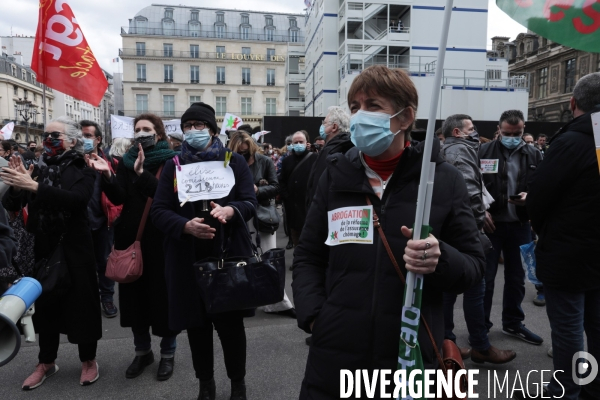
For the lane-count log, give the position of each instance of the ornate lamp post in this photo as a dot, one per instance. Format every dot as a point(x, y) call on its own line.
point(26, 111)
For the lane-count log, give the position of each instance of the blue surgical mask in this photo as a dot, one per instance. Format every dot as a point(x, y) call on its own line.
point(88, 145)
point(370, 131)
point(197, 139)
point(322, 132)
point(299, 148)
point(511, 142)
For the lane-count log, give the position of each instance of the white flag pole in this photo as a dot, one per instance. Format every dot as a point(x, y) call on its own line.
point(428, 168)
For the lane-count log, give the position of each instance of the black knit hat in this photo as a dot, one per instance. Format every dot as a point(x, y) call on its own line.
point(200, 112)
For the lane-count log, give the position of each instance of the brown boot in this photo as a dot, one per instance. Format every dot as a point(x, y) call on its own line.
point(465, 352)
point(493, 356)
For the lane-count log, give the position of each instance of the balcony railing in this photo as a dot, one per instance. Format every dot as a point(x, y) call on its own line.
point(203, 55)
point(183, 30)
point(168, 80)
point(141, 79)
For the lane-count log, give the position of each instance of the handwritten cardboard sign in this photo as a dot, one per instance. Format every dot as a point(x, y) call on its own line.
point(204, 181)
point(121, 126)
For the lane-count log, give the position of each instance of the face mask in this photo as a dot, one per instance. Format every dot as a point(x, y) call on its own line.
point(370, 131)
point(88, 145)
point(269, 152)
point(145, 140)
point(322, 132)
point(245, 155)
point(299, 148)
point(511, 142)
point(197, 139)
point(53, 147)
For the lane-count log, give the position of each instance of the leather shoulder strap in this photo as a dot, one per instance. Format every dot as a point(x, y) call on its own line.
point(140, 231)
point(377, 225)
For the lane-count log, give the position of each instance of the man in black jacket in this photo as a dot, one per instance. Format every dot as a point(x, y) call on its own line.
point(336, 132)
point(507, 164)
point(564, 206)
point(293, 180)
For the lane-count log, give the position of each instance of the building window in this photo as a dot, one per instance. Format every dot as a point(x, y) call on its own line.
point(194, 29)
point(570, 75)
point(194, 50)
point(494, 74)
point(195, 99)
point(168, 13)
point(221, 106)
point(141, 103)
point(270, 54)
point(141, 72)
point(293, 23)
point(245, 33)
point(220, 33)
point(169, 105)
point(25, 93)
point(268, 20)
point(270, 34)
point(271, 106)
point(220, 75)
point(194, 16)
point(220, 17)
point(140, 49)
point(294, 36)
point(168, 73)
point(168, 28)
point(246, 50)
point(543, 83)
point(140, 25)
point(245, 19)
point(194, 74)
point(34, 97)
point(245, 76)
point(16, 90)
point(167, 49)
point(246, 105)
point(270, 77)
point(220, 49)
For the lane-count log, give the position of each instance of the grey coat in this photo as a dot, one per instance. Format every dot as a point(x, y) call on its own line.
point(462, 153)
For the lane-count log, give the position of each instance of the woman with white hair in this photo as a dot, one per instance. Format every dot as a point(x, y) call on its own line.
point(57, 192)
point(120, 146)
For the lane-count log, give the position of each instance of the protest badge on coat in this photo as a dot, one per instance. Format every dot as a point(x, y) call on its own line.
point(204, 181)
point(121, 126)
point(489, 166)
point(350, 225)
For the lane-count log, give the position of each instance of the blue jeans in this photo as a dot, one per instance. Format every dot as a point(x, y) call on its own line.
point(507, 238)
point(570, 314)
point(143, 342)
point(103, 241)
point(474, 316)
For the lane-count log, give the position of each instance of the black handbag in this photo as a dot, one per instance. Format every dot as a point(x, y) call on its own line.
point(268, 218)
point(53, 274)
point(243, 282)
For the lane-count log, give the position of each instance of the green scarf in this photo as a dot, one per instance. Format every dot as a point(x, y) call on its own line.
point(155, 156)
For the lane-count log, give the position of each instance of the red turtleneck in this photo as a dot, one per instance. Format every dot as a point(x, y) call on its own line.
point(384, 168)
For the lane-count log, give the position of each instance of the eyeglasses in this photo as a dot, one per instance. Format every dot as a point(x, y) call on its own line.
point(197, 125)
point(55, 135)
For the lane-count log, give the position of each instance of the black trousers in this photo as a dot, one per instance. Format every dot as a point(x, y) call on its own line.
point(232, 334)
point(49, 343)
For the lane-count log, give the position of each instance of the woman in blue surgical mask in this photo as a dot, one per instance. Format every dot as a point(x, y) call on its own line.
point(344, 279)
point(142, 303)
point(196, 230)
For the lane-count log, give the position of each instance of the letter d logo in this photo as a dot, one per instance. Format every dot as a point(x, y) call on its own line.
point(583, 364)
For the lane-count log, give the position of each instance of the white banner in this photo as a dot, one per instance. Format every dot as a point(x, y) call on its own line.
point(260, 134)
point(206, 180)
point(7, 130)
point(230, 123)
point(121, 126)
point(173, 126)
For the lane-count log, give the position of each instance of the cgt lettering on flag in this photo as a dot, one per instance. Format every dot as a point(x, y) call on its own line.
point(571, 23)
point(64, 60)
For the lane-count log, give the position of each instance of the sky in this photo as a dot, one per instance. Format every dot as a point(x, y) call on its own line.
point(101, 20)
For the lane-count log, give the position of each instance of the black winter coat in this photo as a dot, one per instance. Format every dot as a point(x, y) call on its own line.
point(497, 184)
point(338, 144)
point(142, 302)
point(293, 184)
point(77, 314)
point(186, 309)
point(564, 205)
point(353, 292)
point(263, 168)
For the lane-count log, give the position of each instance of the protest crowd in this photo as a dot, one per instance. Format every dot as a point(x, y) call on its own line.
point(90, 205)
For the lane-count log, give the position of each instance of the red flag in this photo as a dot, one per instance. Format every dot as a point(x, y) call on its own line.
point(62, 58)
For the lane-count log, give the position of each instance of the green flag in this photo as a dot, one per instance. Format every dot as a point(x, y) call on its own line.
point(573, 23)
